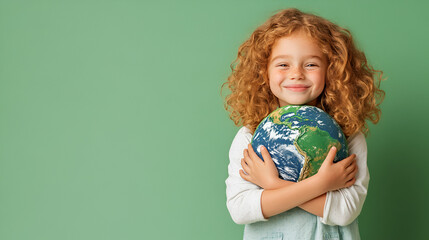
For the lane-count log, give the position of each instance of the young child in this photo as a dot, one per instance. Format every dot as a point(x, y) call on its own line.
point(301, 59)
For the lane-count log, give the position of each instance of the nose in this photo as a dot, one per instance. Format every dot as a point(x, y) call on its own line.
point(296, 73)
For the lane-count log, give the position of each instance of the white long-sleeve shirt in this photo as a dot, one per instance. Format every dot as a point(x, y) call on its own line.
point(342, 206)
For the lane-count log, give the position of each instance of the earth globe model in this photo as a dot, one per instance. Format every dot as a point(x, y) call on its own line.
point(298, 139)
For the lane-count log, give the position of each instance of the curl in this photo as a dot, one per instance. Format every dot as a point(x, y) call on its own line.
point(352, 91)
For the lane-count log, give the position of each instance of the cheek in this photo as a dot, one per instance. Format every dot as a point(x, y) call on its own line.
point(319, 78)
point(274, 77)
point(274, 84)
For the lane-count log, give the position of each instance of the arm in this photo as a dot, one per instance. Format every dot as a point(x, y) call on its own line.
point(243, 198)
point(274, 201)
point(279, 200)
point(314, 206)
point(343, 206)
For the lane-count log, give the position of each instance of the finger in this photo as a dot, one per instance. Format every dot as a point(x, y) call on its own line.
point(266, 155)
point(252, 154)
point(245, 166)
point(331, 155)
point(243, 175)
point(351, 167)
point(247, 158)
point(355, 170)
point(352, 174)
point(351, 182)
point(349, 160)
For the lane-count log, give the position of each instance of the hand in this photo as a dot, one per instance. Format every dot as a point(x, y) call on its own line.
point(262, 173)
point(337, 175)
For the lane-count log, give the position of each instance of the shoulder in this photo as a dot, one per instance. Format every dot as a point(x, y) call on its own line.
point(358, 136)
point(357, 139)
point(243, 134)
point(245, 131)
point(357, 144)
point(241, 140)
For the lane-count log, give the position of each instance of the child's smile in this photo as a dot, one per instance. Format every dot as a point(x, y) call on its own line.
point(296, 70)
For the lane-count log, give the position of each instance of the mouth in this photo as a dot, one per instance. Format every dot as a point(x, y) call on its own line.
point(297, 87)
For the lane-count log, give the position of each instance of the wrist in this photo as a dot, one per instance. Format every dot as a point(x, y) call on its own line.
point(278, 183)
point(320, 181)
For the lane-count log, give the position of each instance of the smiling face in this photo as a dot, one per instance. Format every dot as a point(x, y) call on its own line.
point(296, 70)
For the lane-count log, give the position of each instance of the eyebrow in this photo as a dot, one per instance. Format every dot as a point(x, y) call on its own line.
point(287, 56)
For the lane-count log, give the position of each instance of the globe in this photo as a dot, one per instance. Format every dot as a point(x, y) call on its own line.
point(298, 139)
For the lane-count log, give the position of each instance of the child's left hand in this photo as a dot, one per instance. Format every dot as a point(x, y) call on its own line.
point(262, 173)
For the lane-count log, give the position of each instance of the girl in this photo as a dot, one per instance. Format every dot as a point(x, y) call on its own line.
point(299, 58)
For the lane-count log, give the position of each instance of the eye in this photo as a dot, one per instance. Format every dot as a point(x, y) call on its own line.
point(311, 65)
point(283, 65)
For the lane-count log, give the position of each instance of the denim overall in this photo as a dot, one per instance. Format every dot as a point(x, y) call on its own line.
point(296, 224)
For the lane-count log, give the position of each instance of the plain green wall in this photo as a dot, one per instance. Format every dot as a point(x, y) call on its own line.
point(112, 125)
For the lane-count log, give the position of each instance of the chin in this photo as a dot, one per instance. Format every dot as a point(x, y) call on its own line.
point(298, 103)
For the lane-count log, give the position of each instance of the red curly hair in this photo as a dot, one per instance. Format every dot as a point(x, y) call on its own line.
point(351, 94)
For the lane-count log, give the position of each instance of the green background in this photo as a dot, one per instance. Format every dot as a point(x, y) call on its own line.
point(112, 124)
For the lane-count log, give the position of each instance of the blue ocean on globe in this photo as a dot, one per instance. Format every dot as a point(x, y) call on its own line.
point(298, 139)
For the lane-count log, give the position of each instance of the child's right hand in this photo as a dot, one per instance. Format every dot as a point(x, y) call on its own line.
point(337, 175)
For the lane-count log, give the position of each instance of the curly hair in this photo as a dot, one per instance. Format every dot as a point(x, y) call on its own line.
point(352, 91)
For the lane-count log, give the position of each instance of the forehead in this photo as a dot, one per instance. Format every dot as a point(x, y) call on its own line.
point(296, 45)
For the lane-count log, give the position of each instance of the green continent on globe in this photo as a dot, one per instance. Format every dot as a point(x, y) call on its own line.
point(308, 139)
point(275, 116)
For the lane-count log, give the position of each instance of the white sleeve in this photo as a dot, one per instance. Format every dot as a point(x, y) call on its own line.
point(243, 198)
point(343, 206)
